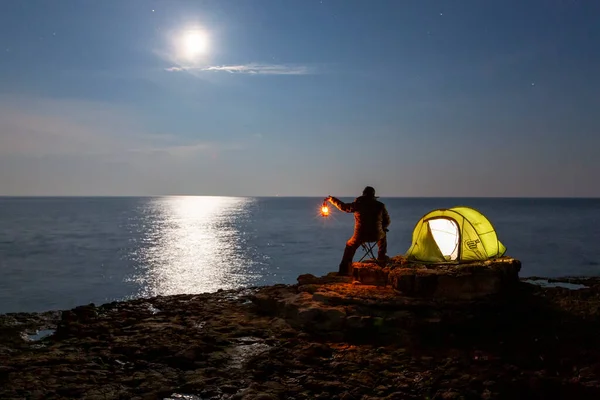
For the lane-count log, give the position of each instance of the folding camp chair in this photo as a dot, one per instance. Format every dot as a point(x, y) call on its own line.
point(368, 248)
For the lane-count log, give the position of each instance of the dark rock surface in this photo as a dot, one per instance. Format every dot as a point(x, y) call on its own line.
point(325, 338)
point(451, 281)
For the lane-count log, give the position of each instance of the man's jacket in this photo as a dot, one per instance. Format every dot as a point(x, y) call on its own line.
point(370, 217)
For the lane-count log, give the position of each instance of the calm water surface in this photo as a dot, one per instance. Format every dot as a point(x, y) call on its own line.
point(57, 253)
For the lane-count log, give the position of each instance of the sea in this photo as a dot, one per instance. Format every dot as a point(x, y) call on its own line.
point(61, 252)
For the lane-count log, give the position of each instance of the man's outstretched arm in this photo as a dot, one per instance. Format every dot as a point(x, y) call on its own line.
point(340, 205)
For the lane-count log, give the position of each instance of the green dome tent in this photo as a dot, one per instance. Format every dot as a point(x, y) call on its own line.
point(457, 234)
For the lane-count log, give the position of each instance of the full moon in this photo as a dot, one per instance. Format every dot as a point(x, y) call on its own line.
point(194, 43)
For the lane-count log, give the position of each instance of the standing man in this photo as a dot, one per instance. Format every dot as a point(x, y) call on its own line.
point(371, 221)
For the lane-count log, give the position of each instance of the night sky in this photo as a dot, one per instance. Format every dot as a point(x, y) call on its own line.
point(300, 97)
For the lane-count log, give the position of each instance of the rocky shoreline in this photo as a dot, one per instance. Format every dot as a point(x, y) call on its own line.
point(323, 338)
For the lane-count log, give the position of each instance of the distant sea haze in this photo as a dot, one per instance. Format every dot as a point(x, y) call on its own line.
point(57, 253)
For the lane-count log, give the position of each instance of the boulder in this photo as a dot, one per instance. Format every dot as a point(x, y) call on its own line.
point(332, 277)
point(370, 274)
point(450, 281)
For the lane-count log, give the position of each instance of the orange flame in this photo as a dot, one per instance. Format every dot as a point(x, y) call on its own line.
point(325, 211)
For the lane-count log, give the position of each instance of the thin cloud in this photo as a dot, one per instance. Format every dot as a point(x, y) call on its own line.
point(77, 147)
point(250, 69)
point(62, 128)
point(187, 150)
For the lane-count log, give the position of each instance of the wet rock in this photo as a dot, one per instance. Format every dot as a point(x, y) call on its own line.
point(307, 316)
point(332, 277)
point(86, 312)
point(307, 279)
point(332, 319)
point(248, 393)
point(358, 322)
point(260, 396)
point(346, 396)
point(317, 350)
point(5, 370)
point(587, 373)
point(309, 288)
point(449, 395)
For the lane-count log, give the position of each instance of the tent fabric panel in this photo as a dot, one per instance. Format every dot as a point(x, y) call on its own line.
point(417, 231)
point(490, 243)
point(481, 224)
point(485, 229)
point(424, 247)
point(501, 249)
point(471, 245)
point(415, 238)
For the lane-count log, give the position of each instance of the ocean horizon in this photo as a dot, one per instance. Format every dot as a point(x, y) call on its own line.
point(301, 196)
point(57, 252)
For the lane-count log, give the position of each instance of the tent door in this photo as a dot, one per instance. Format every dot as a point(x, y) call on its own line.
point(446, 235)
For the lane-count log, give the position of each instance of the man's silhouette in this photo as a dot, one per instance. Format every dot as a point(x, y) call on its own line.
point(371, 220)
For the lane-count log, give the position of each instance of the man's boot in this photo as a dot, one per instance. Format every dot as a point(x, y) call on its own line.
point(346, 264)
point(382, 250)
point(345, 269)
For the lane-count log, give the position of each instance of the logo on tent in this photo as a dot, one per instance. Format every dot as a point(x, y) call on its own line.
point(472, 244)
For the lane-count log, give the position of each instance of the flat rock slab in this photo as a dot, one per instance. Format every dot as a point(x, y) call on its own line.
point(341, 308)
point(451, 281)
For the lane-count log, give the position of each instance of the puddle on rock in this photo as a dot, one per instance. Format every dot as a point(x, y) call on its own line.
point(153, 309)
point(177, 396)
point(566, 285)
point(246, 348)
point(41, 334)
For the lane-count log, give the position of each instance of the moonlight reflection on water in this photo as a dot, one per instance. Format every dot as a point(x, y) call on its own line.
point(195, 245)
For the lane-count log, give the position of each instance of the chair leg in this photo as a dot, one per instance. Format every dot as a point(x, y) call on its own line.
point(368, 251)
